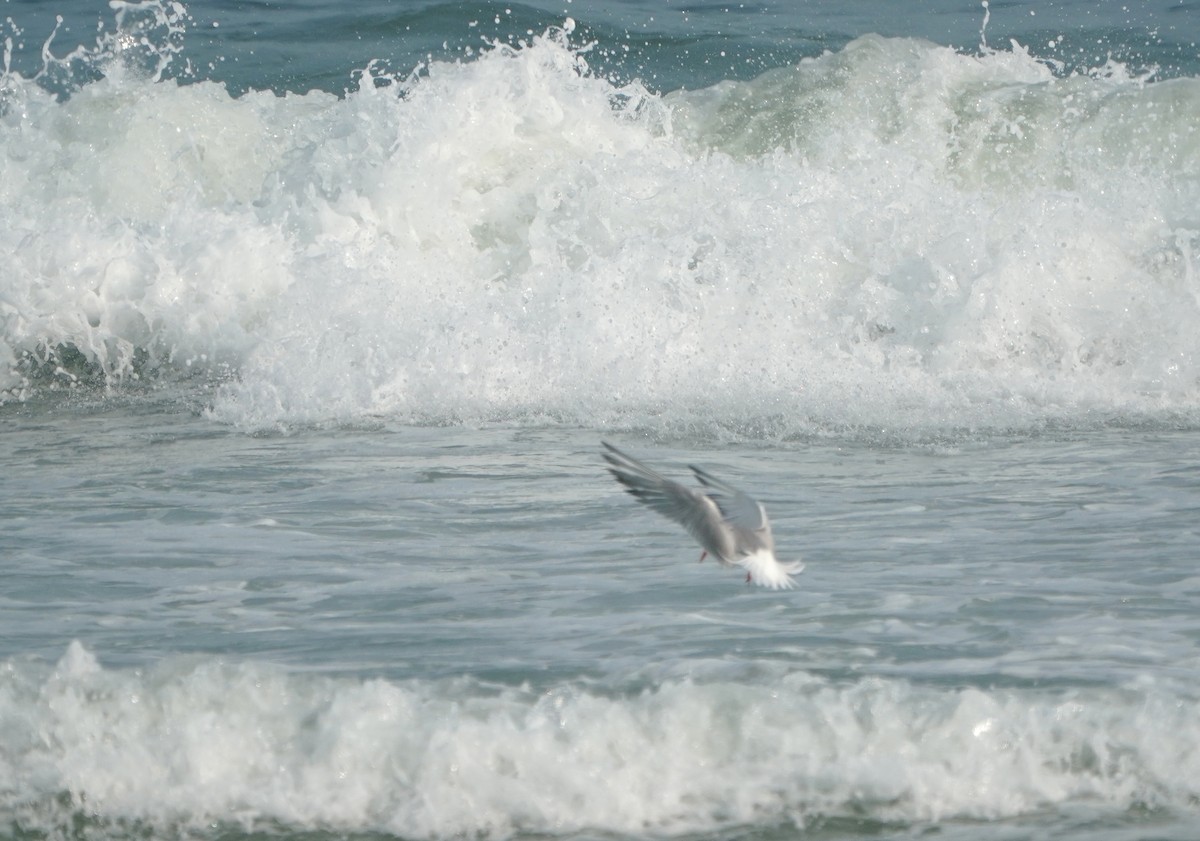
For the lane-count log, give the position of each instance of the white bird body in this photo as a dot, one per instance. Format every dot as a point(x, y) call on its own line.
point(729, 524)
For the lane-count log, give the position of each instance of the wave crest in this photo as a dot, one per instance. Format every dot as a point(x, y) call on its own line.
point(191, 743)
point(896, 234)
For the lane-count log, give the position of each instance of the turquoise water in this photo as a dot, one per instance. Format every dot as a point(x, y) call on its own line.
point(312, 321)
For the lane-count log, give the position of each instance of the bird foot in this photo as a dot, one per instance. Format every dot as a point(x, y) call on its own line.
point(703, 555)
point(747, 578)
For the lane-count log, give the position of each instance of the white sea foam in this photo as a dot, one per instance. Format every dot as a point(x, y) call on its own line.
point(893, 234)
point(203, 741)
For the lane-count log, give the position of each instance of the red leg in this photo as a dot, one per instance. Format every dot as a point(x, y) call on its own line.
point(703, 555)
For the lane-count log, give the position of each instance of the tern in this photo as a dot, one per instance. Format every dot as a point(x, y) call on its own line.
point(729, 525)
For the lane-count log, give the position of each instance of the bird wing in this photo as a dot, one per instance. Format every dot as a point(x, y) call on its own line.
point(744, 515)
point(696, 512)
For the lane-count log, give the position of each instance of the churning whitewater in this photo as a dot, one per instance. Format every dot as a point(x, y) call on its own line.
point(894, 234)
point(207, 742)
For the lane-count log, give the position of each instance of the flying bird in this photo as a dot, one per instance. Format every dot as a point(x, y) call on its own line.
point(729, 525)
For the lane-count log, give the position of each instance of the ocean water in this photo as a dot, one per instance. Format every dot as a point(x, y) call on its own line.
point(313, 317)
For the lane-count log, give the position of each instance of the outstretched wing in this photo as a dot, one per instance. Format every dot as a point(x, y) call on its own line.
point(744, 515)
point(696, 512)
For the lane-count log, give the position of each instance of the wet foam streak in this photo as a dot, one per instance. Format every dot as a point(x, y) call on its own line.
point(193, 743)
point(896, 233)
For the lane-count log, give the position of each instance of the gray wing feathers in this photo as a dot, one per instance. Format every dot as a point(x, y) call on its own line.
point(743, 513)
point(722, 519)
point(696, 512)
point(734, 504)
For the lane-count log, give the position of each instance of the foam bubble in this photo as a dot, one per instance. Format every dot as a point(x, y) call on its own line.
point(193, 742)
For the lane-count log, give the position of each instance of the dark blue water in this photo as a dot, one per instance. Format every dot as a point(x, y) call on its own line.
point(302, 45)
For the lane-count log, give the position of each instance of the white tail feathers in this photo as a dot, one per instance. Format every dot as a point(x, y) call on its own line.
point(765, 571)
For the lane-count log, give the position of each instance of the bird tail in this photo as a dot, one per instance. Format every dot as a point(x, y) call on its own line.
point(767, 572)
